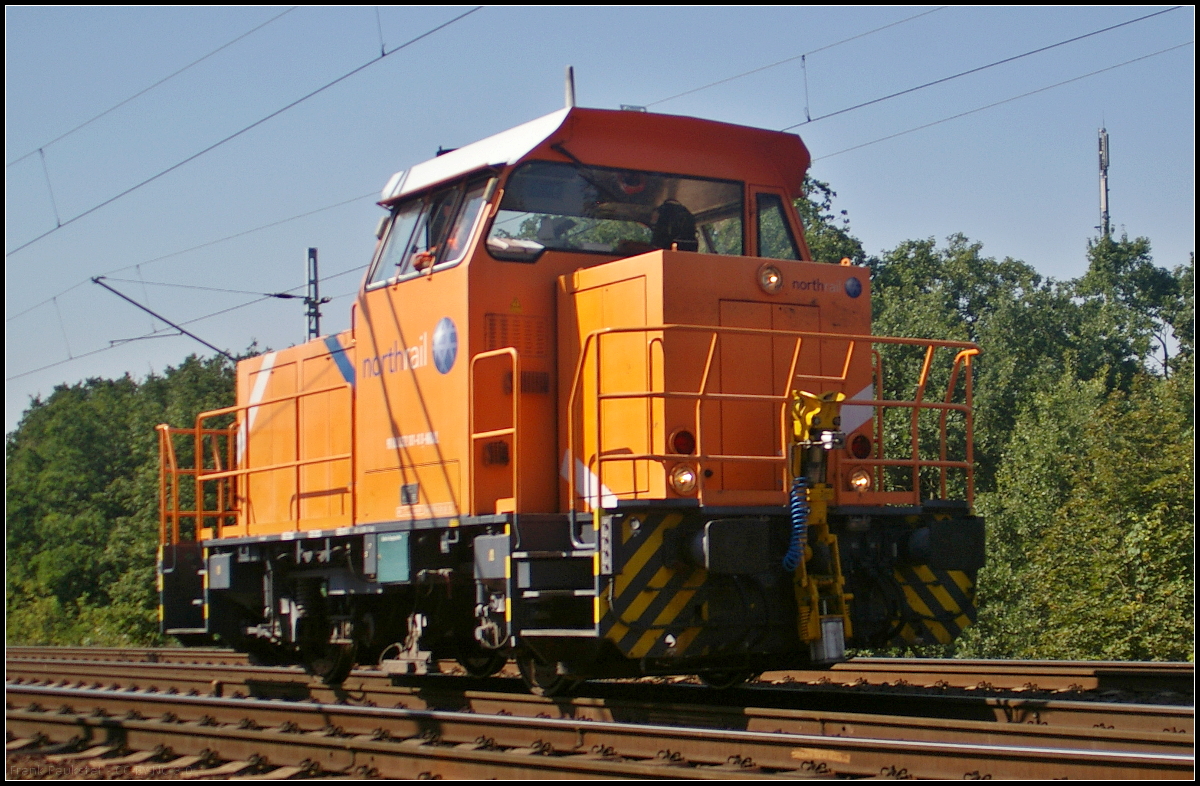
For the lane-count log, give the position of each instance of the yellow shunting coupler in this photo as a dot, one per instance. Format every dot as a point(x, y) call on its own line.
point(821, 600)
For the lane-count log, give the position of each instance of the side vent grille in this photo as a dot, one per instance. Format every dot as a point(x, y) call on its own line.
point(531, 382)
point(528, 335)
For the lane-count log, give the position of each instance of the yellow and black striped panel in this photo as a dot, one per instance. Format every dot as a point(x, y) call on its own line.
point(658, 604)
point(940, 604)
point(649, 607)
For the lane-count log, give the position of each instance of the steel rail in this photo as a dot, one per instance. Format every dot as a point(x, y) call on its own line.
point(1103, 725)
point(415, 758)
point(776, 749)
point(609, 701)
point(930, 672)
point(686, 704)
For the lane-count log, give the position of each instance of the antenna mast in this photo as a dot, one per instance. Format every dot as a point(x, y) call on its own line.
point(1104, 227)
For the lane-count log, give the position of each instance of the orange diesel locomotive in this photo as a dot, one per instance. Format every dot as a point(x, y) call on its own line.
point(599, 411)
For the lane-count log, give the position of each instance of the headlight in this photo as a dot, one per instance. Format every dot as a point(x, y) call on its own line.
point(683, 479)
point(860, 480)
point(770, 279)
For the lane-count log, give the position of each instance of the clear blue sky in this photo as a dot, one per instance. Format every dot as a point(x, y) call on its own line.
point(1020, 177)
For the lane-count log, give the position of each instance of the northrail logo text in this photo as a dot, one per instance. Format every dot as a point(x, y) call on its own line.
point(398, 359)
point(852, 287)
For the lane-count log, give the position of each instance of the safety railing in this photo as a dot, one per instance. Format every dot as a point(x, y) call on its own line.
point(512, 432)
point(230, 466)
point(175, 512)
point(598, 495)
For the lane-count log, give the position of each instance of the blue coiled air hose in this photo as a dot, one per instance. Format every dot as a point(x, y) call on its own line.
point(799, 509)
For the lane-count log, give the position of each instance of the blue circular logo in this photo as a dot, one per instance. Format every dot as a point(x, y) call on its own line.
point(445, 345)
point(853, 287)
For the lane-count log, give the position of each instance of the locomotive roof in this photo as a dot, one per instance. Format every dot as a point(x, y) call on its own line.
point(621, 138)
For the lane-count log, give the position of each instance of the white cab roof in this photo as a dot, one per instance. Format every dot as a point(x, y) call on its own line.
point(507, 147)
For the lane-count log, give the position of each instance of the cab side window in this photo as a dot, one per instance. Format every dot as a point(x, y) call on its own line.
point(429, 231)
point(464, 223)
point(775, 239)
point(395, 245)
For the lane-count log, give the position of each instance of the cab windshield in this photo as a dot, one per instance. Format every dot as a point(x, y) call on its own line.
point(569, 207)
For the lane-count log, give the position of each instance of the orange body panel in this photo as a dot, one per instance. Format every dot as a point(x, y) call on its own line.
point(672, 340)
point(294, 437)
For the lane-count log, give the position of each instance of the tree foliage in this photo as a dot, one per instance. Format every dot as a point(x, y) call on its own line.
point(1084, 436)
point(827, 233)
point(82, 506)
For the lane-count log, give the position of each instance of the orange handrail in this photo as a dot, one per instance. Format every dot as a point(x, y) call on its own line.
point(171, 509)
point(513, 431)
point(591, 349)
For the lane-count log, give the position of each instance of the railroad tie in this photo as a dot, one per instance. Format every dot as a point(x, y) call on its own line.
point(136, 757)
point(277, 774)
point(228, 768)
point(90, 753)
point(181, 763)
point(19, 743)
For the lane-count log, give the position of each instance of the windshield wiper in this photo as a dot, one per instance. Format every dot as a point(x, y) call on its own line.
point(585, 173)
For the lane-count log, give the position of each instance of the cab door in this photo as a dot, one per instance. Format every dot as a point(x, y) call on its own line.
point(411, 376)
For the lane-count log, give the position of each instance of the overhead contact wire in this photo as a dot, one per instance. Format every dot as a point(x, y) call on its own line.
point(1006, 100)
point(197, 248)
point(791, 59)
point(160, 333)
point(142, 92)
point(978, 69)
point(236, 134)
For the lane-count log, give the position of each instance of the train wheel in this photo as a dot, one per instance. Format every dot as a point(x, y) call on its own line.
point(542, 679)
point(482, 663)
point(331, 663)
point(723, 680)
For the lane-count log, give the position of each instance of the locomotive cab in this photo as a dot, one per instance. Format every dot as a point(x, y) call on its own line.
point(598, 411)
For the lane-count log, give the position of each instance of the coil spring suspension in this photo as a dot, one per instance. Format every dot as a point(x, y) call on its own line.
point(799, 510)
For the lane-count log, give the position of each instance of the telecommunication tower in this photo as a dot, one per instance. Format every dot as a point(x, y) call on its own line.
point(1104, 227)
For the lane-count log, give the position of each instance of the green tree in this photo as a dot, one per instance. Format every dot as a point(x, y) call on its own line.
point(81, 491)
point(828, 234)
point(1023, 324)
point(1129, 302)
point(1091, 529)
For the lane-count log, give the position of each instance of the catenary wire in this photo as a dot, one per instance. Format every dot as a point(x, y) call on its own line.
point(1004, 101)
point(165, 332)
point(791, 59)
point(143, 91)
point(236, 134)
point(978, 69)
point(195, 248)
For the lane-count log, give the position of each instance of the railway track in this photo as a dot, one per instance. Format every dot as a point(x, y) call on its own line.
point(454, 727)
point(983, 675)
